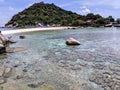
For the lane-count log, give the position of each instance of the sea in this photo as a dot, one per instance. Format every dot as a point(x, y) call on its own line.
point(93, 65)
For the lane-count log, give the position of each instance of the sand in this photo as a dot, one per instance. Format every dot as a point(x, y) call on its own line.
point(33, 30)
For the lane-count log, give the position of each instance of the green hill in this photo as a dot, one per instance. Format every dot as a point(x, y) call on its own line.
point(41, 13)
point(49, 14)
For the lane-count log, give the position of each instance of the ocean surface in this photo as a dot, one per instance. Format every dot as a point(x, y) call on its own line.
point(94, 65)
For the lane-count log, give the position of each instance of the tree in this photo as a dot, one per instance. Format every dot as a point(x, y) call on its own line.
point(90, 16)
point(111, 19)
point(118, 20)
point(100, 21)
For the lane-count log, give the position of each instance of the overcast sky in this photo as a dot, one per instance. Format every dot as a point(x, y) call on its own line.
point(8, 8)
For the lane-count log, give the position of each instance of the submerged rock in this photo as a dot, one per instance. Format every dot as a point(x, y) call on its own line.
point(13, 87)
point(72, 41)
point(15, 49)
point(7, 72)
point(12, 41)
point(76, 86)
point(36, 84)
point(115, 67)
point(46, 87)
point(22, 37)
point(2, 80)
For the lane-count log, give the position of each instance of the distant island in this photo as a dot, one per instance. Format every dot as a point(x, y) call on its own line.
point(44, 14)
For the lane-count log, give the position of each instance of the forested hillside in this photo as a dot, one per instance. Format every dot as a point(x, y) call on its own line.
point(40, 14)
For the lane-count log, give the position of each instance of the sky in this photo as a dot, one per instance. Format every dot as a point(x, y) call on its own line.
point(106, 8)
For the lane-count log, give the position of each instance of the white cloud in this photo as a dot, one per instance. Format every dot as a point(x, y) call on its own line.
point(11, 8)
point(85, 9)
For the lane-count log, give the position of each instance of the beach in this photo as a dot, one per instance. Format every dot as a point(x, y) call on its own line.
point(34, 29)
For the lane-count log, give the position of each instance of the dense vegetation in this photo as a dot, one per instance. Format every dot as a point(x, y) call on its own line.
point(49, 14)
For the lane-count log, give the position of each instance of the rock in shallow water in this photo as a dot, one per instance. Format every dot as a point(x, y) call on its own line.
point(72, 41)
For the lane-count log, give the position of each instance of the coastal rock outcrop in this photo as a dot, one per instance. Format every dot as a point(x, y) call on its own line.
point(72, 41)
point(3, 43)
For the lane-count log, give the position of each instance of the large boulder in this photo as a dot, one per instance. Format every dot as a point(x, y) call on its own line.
point(72, 41)
point(3, 43)
point(4, 40)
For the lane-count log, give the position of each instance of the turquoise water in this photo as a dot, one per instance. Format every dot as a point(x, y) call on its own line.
point(49, 59)
point(4, 29)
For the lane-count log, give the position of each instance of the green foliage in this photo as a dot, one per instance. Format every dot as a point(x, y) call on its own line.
point(118, 20)
point(100, 21)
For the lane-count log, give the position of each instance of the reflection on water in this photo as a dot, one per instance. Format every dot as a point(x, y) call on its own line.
point(49, 60)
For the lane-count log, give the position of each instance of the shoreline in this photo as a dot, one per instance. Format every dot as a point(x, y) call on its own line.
point(34, 29)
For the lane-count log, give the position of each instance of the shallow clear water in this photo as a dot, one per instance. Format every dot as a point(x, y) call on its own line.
point(49, 59)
